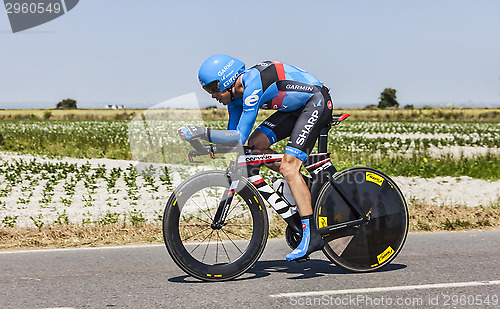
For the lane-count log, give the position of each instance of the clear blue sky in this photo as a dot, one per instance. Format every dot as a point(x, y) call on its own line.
point(139, 53)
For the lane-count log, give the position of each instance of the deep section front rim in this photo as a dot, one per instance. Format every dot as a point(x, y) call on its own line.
point(205, 252)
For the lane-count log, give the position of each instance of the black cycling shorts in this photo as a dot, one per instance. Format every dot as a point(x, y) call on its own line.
point(303, 126)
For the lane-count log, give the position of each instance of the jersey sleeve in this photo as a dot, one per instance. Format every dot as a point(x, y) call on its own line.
point(246, 123)
point(242, 113)
point(251, 104)
point(239, 128)
point(224, 136)
point(235, 109)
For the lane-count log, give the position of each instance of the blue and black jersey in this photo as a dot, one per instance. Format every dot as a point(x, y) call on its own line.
point(270, 85)
point(265, 88)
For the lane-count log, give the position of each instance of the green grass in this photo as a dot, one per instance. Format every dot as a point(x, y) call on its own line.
point(486, 167)
point(378, 144)
point(420, 114)
point(79, 139)
point(433, 114)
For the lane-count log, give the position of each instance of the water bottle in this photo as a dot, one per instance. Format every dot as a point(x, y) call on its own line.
point(281, 187)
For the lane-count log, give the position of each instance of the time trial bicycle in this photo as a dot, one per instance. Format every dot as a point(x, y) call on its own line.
point(215, 224)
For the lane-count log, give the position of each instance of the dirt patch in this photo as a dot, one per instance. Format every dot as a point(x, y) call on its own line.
point(449, 218)
point(423, 218)
point(69, 236)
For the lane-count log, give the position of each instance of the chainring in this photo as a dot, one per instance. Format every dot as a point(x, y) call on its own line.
point(292, 238)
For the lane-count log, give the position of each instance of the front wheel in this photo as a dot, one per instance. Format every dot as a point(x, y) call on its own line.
point(214, 253)
point(372, 245)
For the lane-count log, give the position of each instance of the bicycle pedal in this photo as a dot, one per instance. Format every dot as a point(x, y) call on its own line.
point(302, 259)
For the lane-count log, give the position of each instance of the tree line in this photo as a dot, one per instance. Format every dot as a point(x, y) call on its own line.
point(387, 100)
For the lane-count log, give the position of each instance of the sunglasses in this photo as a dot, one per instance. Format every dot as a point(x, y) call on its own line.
point(212, 87)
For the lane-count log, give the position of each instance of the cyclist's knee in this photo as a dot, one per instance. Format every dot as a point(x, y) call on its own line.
point(259, 141)
point(290, 166)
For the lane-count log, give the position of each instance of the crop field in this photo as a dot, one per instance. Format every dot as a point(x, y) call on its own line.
point(56, 174)
point(429, 114)
point(400, 148)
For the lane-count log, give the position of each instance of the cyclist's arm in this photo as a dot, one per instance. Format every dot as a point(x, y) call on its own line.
point(240, 124)
point(234, 109)
point(246, 123)
point(251, 104)
point(249, 111)
point(241, 133)
point(214, 136)
point(232, 134)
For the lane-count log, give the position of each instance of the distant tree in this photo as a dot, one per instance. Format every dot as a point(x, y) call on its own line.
point(47, 114)
point(388, 99)
point(371, 106)
point(409, 106)
point(67, 104)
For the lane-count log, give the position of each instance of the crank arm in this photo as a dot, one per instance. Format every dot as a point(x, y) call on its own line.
point(340, 226)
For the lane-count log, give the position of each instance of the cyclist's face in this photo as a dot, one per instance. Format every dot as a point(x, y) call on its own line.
point(223, 97)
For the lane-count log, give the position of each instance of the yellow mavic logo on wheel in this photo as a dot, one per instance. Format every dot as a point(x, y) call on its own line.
point(385, 255)
point(374, 178)
point(323, 222)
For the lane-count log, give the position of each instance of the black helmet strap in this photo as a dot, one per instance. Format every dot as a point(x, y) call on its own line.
point(230, 89)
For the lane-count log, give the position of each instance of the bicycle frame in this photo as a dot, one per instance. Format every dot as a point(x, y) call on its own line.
point(318, 165)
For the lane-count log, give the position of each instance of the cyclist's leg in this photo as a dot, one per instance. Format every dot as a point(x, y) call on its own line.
point(314, 117)
point(311, 239)
point(275, 128)
point(290, 169)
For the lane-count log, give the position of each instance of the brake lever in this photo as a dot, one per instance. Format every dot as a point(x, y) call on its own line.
point(212, 153)
point(191, 155)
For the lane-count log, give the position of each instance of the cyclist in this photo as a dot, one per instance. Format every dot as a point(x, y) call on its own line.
point(303, 107)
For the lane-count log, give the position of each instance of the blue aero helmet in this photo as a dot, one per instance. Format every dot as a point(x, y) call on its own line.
point(219, 72)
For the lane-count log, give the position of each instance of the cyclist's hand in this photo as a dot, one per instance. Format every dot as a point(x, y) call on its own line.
point(192, 132)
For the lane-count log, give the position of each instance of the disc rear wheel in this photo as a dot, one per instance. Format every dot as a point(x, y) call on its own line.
point(371, 245)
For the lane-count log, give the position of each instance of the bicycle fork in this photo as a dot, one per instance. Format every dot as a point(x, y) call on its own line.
point(279, 204)
point(220, 217)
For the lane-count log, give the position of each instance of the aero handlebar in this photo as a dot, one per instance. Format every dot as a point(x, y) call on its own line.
point(212, 149)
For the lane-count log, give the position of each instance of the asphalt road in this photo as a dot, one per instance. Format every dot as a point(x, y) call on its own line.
point(434, 270)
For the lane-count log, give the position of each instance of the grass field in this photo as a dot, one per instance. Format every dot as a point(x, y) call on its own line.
point(427, 143)
point(77, 114)
point(462, 114)
point(400, 147)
